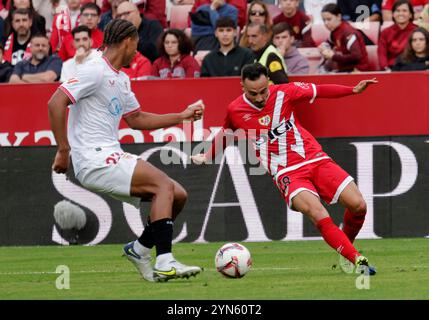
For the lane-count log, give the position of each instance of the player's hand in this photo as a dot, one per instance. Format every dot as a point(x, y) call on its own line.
point(194, 111)
point(80, 55)
point(199, 159)
point(61, 161)
point(361, 86)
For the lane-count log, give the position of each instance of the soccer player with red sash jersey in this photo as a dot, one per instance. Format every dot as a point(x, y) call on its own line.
point(302, 171)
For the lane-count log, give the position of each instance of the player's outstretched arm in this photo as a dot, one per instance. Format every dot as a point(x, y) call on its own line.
point(57, 107)
point(361, 86)
point(151, 121)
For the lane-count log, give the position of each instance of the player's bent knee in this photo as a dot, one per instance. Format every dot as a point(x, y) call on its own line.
point(180, 194)
point(359, 207)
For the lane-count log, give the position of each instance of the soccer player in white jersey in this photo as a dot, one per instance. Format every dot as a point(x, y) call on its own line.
point(99, 96)
point(302, 171)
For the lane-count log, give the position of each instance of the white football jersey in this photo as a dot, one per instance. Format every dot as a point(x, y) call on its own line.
point(101, 96)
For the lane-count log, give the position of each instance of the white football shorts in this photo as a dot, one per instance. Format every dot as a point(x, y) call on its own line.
point(111, 173)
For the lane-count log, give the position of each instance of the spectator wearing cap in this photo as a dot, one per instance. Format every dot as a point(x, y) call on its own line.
point(229, 59)
point(42, 67)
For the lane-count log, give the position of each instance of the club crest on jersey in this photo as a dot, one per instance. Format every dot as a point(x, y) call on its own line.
point(114, 107)
point(265, 121)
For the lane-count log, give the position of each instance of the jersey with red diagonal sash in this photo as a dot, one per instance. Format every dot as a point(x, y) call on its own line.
point(281, 143)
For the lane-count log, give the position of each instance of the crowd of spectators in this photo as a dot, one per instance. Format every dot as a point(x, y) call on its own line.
point(47, 40)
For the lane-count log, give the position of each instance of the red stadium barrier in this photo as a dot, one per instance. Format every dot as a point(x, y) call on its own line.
point(398, 105)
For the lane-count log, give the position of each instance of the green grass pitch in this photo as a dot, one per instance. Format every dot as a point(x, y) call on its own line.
point(281, 270)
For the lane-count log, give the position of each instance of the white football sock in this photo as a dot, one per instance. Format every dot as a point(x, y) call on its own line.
point(162, 261)
point(141, 249)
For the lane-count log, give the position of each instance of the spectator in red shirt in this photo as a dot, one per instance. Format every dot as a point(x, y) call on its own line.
point(64, 23)
point(258, 13)
point(241, 6)
point(300, 23)
point(388, 6)
point(175, 60)
point(140, 68)
point(90, 17)
point(393, 40)
point(345, 51)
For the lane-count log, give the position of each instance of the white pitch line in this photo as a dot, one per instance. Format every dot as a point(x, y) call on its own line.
point(116, 271)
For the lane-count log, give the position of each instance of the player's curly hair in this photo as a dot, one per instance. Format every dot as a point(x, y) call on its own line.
point(117, 30)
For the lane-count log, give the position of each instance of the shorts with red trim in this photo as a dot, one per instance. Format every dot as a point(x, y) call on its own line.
point(324, 178)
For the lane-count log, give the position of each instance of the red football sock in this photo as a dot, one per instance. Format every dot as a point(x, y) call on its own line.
point(337, 239)
point(352, 224)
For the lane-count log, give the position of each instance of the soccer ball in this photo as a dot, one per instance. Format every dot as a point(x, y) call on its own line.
point(233, 260)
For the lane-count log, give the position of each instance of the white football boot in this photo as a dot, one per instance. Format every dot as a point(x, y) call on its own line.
point(174, 270)
point(141, 262)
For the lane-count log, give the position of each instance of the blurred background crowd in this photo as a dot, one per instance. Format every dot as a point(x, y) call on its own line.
point(47, 40)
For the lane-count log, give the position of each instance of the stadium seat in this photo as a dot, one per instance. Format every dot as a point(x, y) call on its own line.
point(179, 16)
point(371, 29)
point(199, 56)
point(313, 57)
point(386, 24)
point(273, 10)
point(319, 33)
point(188, 32)
point(373, 58)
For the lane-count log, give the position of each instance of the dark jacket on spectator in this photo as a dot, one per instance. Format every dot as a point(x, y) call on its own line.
point(149, 32)
point(216, 64)
point(417, 64)
point(52, 63)
point(5, 71)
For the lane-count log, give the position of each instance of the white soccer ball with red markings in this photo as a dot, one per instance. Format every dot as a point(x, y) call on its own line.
point(233, 260)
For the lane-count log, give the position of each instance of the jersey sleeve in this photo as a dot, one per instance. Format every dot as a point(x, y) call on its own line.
point(131, 105)
point(302, 91)
point(85, 83)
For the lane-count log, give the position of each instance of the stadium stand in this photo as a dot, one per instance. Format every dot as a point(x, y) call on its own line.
point(373, 57)
point(179, 16)
point(273, 10)
point(313, 57)
point(371, 29)
point(319, 33)
point(199, 56)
